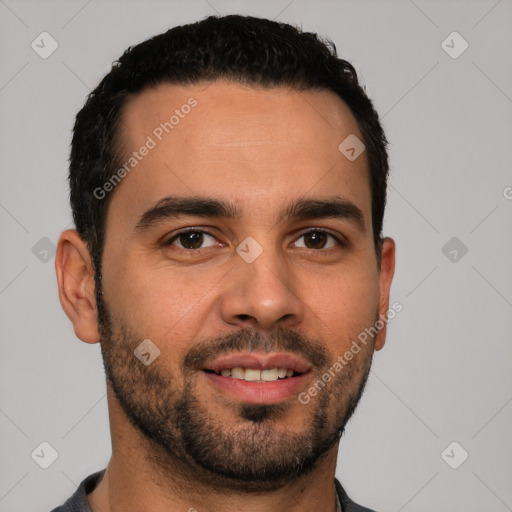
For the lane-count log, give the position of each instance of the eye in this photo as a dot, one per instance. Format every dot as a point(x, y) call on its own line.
point(319, 240)
point(192, 239)
point(195, 239)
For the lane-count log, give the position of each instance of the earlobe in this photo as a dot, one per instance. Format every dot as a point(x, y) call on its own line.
point(387, 270)
point(75, 277)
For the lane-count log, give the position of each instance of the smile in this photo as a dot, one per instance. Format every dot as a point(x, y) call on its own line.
point(258, 378)
point(257, 375)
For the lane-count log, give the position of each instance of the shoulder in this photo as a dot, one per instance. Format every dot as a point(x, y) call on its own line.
point(346, 503)
point(78, 501)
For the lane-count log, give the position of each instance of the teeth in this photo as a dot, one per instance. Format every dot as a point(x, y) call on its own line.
point(237, 373)
point(282, 373)
point(253, 375)
point(271, 374)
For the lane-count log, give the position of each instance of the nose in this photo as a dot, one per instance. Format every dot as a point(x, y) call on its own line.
point(263, 294)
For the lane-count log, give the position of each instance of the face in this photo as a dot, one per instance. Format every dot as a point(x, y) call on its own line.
point(239, 261)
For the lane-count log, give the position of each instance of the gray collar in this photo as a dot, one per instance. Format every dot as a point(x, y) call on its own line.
point(338, 504)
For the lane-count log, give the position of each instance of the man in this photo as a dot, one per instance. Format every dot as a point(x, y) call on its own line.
point(228, 183)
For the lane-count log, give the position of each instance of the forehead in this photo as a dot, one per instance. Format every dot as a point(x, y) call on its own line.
point(258, 146)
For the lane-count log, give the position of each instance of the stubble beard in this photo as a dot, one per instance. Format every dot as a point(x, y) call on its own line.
point(180, 436)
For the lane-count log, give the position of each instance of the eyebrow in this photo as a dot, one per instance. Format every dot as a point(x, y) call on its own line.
point(172, 207)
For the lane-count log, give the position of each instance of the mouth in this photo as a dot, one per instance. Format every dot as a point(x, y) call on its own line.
point(255, 374)
point(258, 378)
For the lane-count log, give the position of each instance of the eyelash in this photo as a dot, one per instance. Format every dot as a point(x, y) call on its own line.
point(340, 241)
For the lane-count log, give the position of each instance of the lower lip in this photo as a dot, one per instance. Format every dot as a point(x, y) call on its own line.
point(259, 392)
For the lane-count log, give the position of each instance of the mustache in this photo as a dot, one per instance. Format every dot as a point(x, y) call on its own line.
point(249, 340)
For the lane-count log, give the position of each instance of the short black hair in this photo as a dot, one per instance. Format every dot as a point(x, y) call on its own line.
point(245, 49)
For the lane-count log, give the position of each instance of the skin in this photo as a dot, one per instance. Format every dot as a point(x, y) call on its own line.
point(259, 149)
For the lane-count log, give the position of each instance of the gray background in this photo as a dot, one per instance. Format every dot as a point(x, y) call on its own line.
point(444, 374)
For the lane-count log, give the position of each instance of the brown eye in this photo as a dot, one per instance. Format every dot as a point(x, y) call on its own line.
point(315, 240)
point(191, 240)
point(318, 240)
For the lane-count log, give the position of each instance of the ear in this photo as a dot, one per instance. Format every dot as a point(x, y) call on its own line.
point(386, 272)
point(75, 277)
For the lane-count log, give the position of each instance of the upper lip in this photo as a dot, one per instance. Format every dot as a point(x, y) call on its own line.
point(259, 361)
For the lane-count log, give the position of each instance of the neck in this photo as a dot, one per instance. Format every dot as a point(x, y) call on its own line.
point(139, 478)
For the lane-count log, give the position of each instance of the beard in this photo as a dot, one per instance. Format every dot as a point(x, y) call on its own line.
point(180, 435)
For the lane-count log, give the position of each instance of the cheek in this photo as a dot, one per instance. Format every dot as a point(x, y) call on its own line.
point(159, 301)
point(346, 304)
